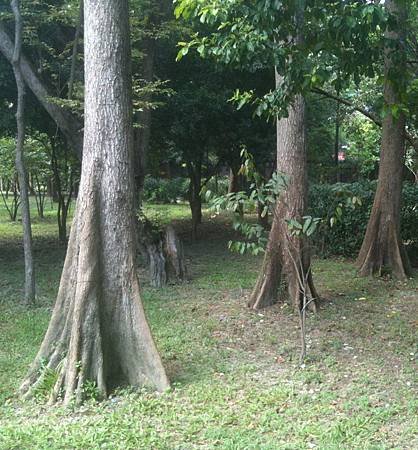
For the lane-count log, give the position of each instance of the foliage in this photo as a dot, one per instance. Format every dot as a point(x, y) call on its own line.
point(7, 162)
point(8, 176)
point(264, 193)
point(363, 143)
point(304, 228)
point(320, 134)
point(165, 190)
point(345, 236)
point(217, 184)
point(308, 43)
point(336, 220)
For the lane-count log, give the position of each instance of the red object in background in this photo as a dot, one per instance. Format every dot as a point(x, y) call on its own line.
point(341, 156)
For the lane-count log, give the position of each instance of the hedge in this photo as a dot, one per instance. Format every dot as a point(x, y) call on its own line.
point(346, 236)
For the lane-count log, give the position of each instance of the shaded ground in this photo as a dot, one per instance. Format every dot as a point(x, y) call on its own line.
point(236, 382)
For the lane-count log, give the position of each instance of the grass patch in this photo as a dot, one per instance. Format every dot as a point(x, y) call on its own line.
point(235, 379)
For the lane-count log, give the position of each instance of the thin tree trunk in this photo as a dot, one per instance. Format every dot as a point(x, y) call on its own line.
point(60, 188)
point(98, 332)
point(262, 220)
point(234, 182)
point(337, 141)
point(195, 199)
point(74, 52)
point(8, 189)
point(236, 185)
point(143, 133)
point(14, 207)
point(40, 194)
point(20, 164)
point(382, 250)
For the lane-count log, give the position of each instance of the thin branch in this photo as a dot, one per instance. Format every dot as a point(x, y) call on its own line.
point(369, 115)
point(346, 102)
point(75, 51)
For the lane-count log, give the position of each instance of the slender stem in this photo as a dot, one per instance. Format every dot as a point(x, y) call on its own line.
point(20, 163)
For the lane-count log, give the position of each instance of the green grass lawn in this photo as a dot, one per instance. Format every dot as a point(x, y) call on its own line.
point(235, 379)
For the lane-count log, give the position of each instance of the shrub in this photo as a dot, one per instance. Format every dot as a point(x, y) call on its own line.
point(346, 236)
point(171, 190)
point(216, 185)
point(162, 190)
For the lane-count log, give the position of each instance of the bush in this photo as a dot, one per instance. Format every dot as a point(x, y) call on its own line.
point(346, 236)
point(217, 185)
point(162, 190)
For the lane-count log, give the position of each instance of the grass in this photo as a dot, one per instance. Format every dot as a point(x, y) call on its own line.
point(236, 383)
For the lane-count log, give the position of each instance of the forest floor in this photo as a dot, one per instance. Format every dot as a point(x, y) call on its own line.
point(236, 382)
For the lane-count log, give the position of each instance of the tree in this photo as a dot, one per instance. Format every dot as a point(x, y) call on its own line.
point(69, 125)
point(291, 139)
point(283, 249)
point(148, 27)
point(382, 249)
point(98, 334)
point(8, 178)
point(20, 163)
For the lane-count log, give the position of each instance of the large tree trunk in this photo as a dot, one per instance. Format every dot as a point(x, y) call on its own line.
point(382, 250)
point(20, 164)
point(70, 126)
point(283, 250)
point(266, 290)
point(286, 255)
point(98, 333)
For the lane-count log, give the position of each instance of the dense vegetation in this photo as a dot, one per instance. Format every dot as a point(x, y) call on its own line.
point(208, 224)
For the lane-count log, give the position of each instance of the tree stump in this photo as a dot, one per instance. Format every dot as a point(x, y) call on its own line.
point(163, 252)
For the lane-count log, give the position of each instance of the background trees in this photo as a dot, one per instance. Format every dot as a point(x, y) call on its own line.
point(195, 118)
point(347, 44)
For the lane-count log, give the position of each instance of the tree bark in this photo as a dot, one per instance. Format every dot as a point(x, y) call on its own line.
point(278, 264)
point(195, 199)
point(266, 290)
point(69, 125)
point(234, 181)
point(163, 251)
point(382, 250)
point(173, 249)
point(287, 255)
point(98, 332)
point(20, 163)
